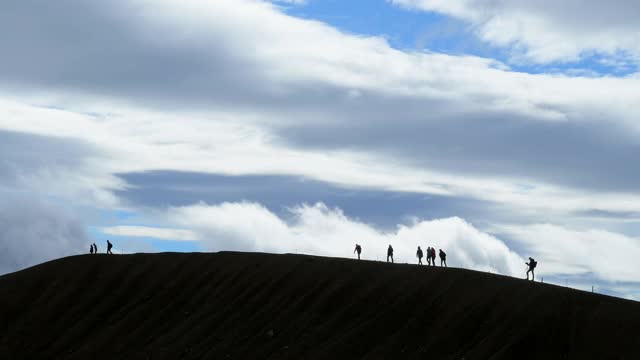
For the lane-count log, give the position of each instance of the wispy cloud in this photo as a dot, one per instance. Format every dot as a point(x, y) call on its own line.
point(546, 31)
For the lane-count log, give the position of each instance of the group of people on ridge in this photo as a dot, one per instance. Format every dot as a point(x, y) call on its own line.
point(431, 258)
point(93, 249)
point(431, 255)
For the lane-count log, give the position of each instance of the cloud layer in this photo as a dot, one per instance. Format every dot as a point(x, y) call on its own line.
point(344, 109)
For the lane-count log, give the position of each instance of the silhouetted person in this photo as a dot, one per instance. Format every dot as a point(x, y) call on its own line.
point(443, 257)
point(358, 250)
point(95, 248)
point(91, 249)
point(390, 254)
point(433, 256)
point(428, 255)
point(109, 246)
point(532, 265)
point(419, 255)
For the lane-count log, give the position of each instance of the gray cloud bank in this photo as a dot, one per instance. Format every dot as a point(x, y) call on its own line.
point(32, 232)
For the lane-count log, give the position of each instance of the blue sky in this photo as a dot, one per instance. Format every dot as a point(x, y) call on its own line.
point(495, 130)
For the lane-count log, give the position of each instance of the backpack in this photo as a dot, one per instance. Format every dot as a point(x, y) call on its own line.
point(533, 264)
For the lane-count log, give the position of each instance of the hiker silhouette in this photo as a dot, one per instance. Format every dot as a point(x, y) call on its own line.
point(390, 254)
point(358, 250)
point(419, 255)
point(443, 257)
point(95, 248)
point(91, 249)
point(109, 246)
point(433, 256)
point(532, 265)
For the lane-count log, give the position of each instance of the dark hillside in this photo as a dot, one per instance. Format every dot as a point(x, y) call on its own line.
point(261, 306)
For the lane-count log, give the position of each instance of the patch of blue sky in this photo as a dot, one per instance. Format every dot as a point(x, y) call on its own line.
point(412, 30)
point(403, 29)
point(174, 245)
point(589, 65)
point(114, 217)
point(110, 217)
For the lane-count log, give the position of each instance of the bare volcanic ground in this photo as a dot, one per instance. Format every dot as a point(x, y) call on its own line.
point(263, 306)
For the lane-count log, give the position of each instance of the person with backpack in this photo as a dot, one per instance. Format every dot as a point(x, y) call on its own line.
point(91, 249)
point(358, 250)
point(109, 246)
point(390, 254)
point(443, 257)
point(419, 255)
point(532, 265)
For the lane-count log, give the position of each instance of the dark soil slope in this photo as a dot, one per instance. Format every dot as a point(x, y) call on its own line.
point(260, 306)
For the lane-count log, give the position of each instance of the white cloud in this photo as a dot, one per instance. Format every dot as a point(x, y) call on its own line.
point(319, 230)
point(545, 30)
point(607, 255)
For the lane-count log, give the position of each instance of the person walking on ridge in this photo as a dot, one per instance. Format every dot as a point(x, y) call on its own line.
point(419, 255)
point(95, 248)
point(428, 255)
point(390, 254)
point(532, 265)
point(91, 249)
point(433, 256)
point(109, 246)
point(443, 257)
point(358, 250)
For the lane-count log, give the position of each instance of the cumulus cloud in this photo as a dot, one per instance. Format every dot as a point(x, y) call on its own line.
point(32, 232)
point(544, 31)
point(320, 230)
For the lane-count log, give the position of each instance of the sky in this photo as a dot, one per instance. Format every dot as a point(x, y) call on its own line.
point(495, 130)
